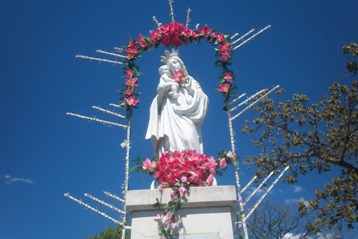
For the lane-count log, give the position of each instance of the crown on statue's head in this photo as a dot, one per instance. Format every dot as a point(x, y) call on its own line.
point(169, 55)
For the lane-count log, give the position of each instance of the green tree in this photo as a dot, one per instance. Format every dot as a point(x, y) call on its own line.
point(273, 221)
point(111, 233)
point(320, 137)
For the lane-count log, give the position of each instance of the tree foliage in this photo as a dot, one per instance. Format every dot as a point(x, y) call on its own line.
point(111, 233)
point(351, 49)
point(319, 137)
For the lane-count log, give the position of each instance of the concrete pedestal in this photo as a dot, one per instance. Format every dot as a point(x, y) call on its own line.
point(208, 213)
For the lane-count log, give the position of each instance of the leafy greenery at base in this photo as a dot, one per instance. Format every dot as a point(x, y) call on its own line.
point(111, 233)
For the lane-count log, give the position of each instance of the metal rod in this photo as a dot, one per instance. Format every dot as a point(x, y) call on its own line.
point(119, 49)
point(93, 209)
point(113, 196)
point(99, 59)
point(104, 203)
point(96, 120)
point(237, 98)
point(188, 17)
point(126, 178)
point(243, 36)
point(233, 36)
point(117, 106)
point(156, 21)
point(252, 37)
point(111, 54)
point(233, 148)
point(258, 188)
point(248, 185)
point(108, 112)
point(248, 99)
point(246, 234)
point(236, 163)
point(123, 233)
point(267, 191)
point(171, 9)
point(252, 104)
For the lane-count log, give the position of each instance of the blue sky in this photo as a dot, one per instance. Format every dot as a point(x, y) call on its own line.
point(44, 153)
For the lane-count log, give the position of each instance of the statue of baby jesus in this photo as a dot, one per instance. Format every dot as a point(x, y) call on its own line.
point(164, 73)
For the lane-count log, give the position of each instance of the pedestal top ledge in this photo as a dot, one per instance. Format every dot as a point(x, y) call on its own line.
point(211, 196)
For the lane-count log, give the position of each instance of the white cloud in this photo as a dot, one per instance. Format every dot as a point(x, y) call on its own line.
point(11, 180)
point(290, 201)
point(297, 189)
point(326, 236)
point(258, 192)
point(290, 236)
point(298, 236)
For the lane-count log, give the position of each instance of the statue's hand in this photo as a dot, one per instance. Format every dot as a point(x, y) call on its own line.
point(186, 82)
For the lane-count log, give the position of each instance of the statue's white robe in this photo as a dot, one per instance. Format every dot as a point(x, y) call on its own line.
point(175, 124)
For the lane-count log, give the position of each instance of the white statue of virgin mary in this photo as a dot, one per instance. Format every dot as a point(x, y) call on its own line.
point(175, 122)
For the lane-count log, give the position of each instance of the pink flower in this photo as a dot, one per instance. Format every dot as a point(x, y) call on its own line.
point(210, 180)
point(222, 163)
point(183, 179)
point(188, 34)
point(129, 73)
point(211, 164)
point(220, 37)
point(142, 41)
point(173, 195)
point(176, 41)
point(170, 34)
point(204, 31)
point(154, 36)
point(185, 166)
point(165, 40)
point(193, 176)
point(128, 91)
point(224, 88)
point(224, 57)
point(231, 155)
point(179, 74)
point(182, 191)
point(132, 50)
point(153, 166)
point(131, 100)
point(147, 164)
point(132, 81)
point(225, 48)
point(159, 218)
point(225, 51)
point(169, 214)
point(228, 76)
point(160, 187)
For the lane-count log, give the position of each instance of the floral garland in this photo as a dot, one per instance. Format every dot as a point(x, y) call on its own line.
point(179, 171)
point(175, 35)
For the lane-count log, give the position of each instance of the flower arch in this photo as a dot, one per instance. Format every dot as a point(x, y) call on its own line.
point(202, 167)
point(175, 35)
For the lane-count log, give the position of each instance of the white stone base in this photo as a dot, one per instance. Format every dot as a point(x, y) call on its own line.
point(208, 213)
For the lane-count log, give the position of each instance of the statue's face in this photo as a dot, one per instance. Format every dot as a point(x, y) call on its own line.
point(164, 70)
point(174, 65)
